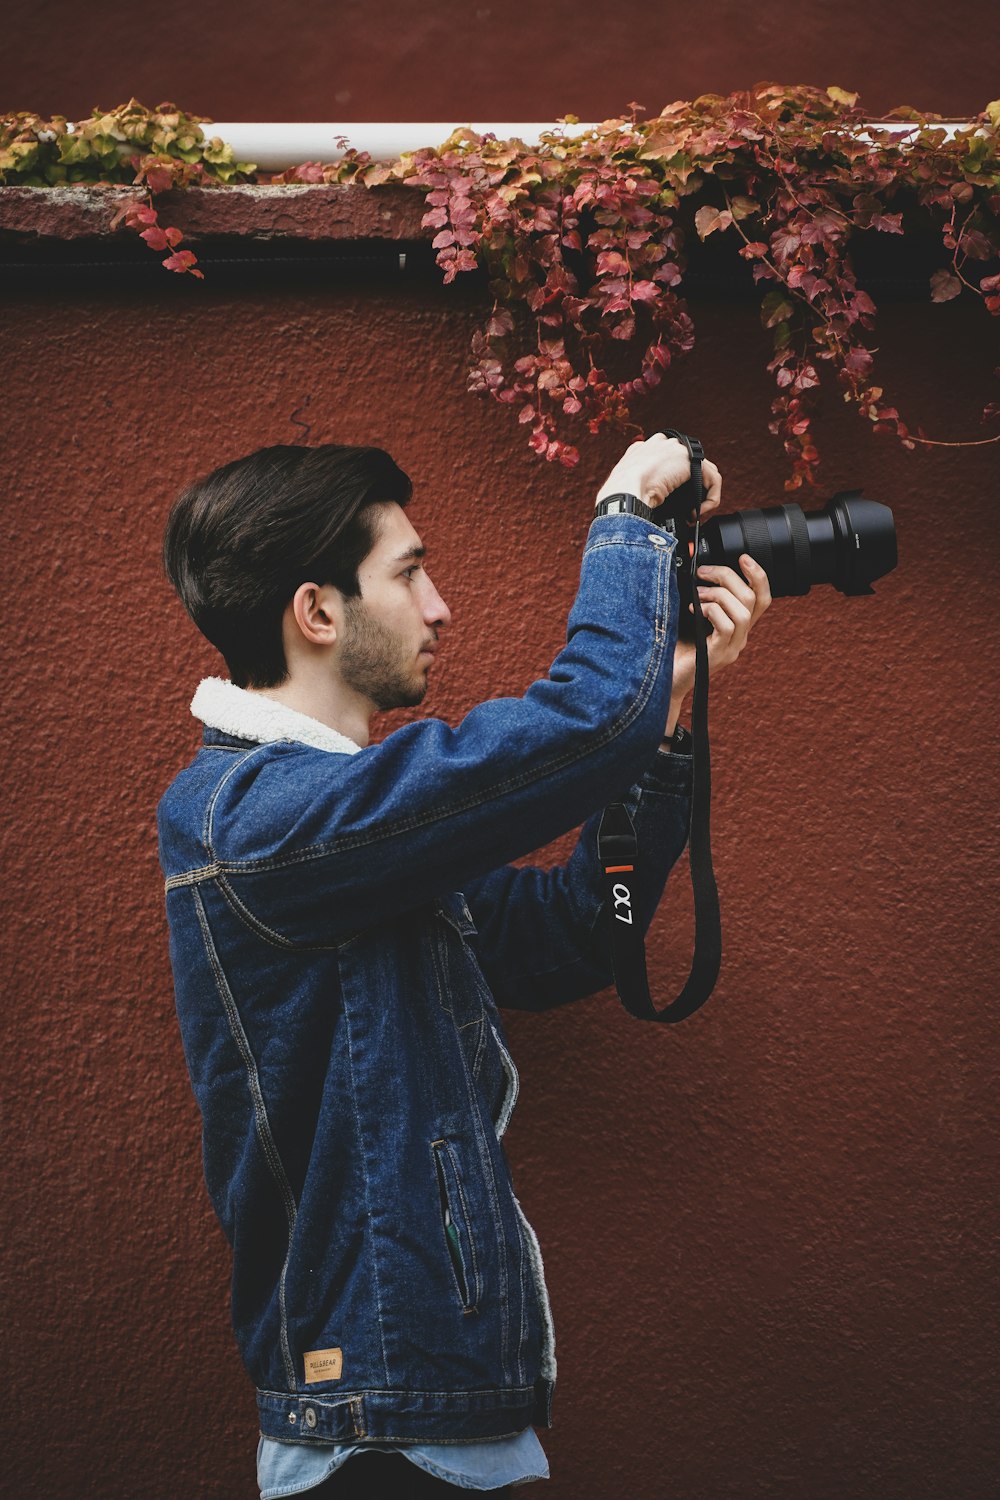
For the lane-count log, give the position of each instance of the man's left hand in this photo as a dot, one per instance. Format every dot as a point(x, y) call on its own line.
point(732, 606)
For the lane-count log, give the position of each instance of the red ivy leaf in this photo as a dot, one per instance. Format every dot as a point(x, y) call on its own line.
point(611, 263)
point(159, 179)
point(784, 243)
point(500, 324)
point(858, 361)
point(944, 286)
point(182, 260)
point(708, 219)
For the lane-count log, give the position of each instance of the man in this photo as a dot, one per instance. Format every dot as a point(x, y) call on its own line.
point(344, 921)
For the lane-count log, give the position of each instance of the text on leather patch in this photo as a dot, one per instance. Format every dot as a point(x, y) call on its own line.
point(324, 1364)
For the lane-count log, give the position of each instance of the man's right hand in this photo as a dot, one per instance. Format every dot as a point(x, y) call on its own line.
point(654, 467)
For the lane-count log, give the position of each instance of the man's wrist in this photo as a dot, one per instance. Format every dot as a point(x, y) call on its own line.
point(673, 714)
point(623, 485)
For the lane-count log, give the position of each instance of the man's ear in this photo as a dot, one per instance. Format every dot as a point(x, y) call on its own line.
point(315, 613)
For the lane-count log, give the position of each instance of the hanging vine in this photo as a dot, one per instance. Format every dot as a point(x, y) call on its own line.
point(584, 240)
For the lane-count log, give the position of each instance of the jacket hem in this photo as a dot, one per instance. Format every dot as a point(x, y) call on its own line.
point(404, 1416)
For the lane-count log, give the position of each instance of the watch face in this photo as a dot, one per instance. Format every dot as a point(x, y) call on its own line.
point(616, 505)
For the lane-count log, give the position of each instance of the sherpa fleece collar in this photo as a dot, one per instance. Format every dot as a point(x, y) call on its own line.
point(252, 716)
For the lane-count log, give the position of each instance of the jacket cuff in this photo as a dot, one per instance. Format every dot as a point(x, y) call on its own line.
point(627, 528)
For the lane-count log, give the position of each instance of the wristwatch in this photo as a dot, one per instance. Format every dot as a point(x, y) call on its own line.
point(623, 505)
point(680, 742)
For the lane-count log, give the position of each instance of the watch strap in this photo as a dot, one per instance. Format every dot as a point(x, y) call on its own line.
point(680, 742)
point(623, 505)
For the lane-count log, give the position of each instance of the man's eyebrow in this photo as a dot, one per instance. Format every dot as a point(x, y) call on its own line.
point(410, 554)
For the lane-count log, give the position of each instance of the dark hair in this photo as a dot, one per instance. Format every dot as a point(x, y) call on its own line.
point(240, 541)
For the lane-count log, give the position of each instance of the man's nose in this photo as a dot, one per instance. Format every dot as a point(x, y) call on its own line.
point(436, 612)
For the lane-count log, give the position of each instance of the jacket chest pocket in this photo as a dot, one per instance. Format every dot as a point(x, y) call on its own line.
point(462, 990)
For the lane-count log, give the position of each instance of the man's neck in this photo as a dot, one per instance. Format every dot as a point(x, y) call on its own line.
point(328, 702)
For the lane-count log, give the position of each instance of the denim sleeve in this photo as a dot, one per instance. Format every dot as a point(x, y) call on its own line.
point(543, 939)
point(323, 843)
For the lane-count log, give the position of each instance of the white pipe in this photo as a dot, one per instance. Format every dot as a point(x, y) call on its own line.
point(276, 146)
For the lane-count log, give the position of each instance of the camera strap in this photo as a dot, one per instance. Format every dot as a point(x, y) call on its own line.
point(618, 848)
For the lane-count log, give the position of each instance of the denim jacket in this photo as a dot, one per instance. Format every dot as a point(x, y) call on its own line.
point(344, 924)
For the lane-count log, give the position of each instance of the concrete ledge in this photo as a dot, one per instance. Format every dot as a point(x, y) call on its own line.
point(267, 224)
point(297, 211)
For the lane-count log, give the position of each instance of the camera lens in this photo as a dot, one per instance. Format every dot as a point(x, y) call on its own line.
point(849, 542)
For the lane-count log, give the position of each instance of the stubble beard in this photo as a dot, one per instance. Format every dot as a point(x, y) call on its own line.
point(374, 662)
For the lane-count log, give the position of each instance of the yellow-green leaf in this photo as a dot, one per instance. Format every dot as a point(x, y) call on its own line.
point(841, 96)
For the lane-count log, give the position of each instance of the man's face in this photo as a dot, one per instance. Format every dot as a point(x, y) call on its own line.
point(391, 631)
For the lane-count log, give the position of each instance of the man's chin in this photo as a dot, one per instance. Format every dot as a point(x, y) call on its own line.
point(403, 697)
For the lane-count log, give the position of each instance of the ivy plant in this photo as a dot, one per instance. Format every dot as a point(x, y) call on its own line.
point(585, 240)
point(156, 149)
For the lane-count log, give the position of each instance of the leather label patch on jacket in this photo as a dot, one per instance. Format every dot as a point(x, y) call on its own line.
point(324, 1364)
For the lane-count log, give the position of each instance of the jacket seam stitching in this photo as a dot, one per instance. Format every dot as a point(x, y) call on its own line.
point(242, 914)
point(362, 1154)
point(374, 1390)
point(217, 873)
point(513, 1086)
point(206, 832)
point(268, 934)
point(263, 1124)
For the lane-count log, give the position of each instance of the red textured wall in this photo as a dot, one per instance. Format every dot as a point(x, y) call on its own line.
point(768, 1232)
point(467, 59)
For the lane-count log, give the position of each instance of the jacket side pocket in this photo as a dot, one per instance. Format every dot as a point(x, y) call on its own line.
point(456, 1226)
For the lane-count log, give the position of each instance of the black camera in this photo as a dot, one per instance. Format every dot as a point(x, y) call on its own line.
point(849, 542)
